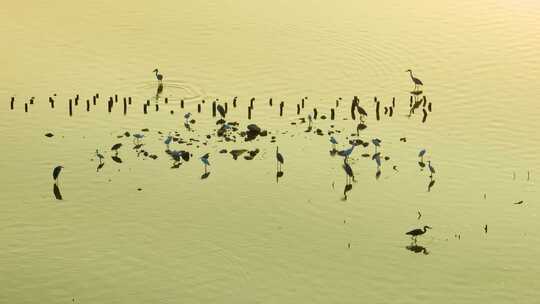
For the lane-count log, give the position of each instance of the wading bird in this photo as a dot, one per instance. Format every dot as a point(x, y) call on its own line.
point(416, 232)
point(221, 111)
point(115, 147)
point(204, 160)
point(421, 154)
point(416, 81)
point(334, 142)
point(99, 156)
point(159, 77)
point(168, 141)
point(56, 172)
point(377, 143)
point(361, 126)
point(138, 136)
point(279, 158)
point(346, 153)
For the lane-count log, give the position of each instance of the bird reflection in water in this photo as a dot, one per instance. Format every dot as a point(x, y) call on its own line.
point(159, 90)
point(279, 162)
point(56, 192)
point(430, 185)
point(417, 248)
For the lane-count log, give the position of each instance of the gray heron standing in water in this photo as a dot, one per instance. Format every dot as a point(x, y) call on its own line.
point(56, 173)
point(416, 232)
point(279, 158)
point(159, 77)
point(377, 143)
point(99, 156)
point(334, 142)
point(421, 154)
point(417, 82)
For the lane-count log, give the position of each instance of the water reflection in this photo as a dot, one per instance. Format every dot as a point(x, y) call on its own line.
point(159, 90)
point(348, 187)
point(56, 191)
point(430, 185)
point(417, 248)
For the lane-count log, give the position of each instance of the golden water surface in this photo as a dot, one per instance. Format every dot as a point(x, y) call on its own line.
point(238, 236)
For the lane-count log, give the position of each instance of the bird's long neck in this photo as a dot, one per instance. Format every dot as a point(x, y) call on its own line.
point(425, 229)
point(410, 73)
point(156, 71)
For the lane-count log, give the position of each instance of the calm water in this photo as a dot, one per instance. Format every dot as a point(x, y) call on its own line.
point(238, 236)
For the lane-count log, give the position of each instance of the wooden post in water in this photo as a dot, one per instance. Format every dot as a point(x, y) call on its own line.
point(110, 105)
point(234, 102)
point(391, 111)
point(377, 110)
point(125, 107)
point(314, 113)
point(302, 103)
point(226, 108)
point(145, 110)
point(51, 101)
point(353, 109)
point(88, 105)
point(393, 102)
point(157, 107)
point(166, 99)
point(94, 100)
point(148, 102)
point(332, 114)
point(410, 102)
point(182, 103)
point(25, 107)
point(251, 102)
point(199, 108)
point(297, 109)
point(70, 107)
point(429, 106)
point(76, 102)
point(97, 95)
point(115, 97)
point(213, 109)
point(12, 102)
point(129, 100)
point(337, 103)
point(425, 101)
point(249, 112)
point(270, 101)
point(281, 105)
